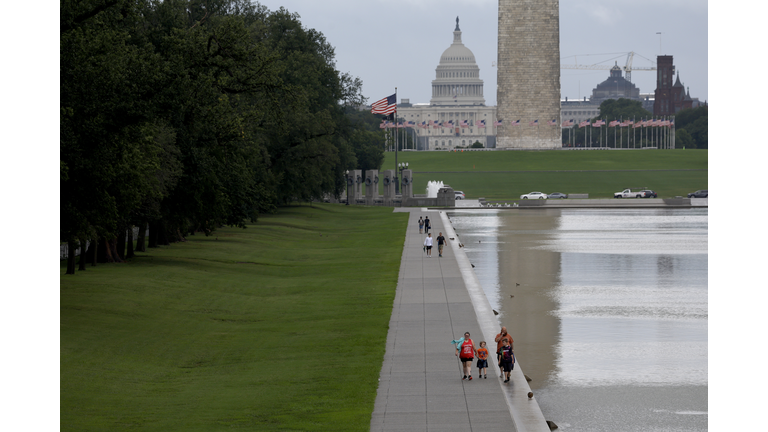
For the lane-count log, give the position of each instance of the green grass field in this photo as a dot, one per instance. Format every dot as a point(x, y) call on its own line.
point(505, 175)
point(281, 326)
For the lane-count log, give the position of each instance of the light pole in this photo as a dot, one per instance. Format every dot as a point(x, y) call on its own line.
point(349, 183)
point(659, 33)
point(401, 166)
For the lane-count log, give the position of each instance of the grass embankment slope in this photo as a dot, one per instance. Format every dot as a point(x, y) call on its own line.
point(281, 326)
point(505, 175)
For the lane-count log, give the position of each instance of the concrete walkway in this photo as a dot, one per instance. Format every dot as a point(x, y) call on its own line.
point(420, 389)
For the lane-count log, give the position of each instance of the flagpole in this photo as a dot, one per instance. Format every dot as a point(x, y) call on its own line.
point(397, 181)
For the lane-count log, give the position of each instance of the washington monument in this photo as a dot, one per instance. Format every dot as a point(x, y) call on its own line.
point(528, 80)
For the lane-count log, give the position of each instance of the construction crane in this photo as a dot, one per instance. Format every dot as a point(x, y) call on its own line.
point(628, 68)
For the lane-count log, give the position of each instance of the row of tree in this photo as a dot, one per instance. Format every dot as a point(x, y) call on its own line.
point(690, 127)
point(186, 115)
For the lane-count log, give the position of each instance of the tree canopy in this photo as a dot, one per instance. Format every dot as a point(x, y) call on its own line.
point(191, 114)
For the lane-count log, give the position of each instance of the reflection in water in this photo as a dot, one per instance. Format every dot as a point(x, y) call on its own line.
point(610, 299)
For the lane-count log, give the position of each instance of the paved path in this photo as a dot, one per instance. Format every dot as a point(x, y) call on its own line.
point(420, 389)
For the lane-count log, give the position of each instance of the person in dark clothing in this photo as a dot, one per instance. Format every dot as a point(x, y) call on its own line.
point(440, 244)
point(427, 225)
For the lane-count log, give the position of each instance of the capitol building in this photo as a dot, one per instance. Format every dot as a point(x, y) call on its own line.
point(456, 115)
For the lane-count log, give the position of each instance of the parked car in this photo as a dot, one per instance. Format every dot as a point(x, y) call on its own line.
point(557, 195)
point(534, 195)
point(649, 194)
point(698, 194)
point(459, 195)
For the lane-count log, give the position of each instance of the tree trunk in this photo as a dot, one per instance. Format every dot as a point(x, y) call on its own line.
point(93, 250)
point(105, 252)
point(141, 243)
point(130, 254)
point(120, 244)
point(115, 255)
point(71, 246)
point(154, 227)
point(83, 248)
point(162, 234)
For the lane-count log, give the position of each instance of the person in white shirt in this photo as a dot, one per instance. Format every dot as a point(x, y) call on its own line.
point(428, 245)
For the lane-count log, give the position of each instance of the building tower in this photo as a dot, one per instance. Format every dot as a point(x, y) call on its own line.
point(663, 99)
point(528, 75)
point(457, 77)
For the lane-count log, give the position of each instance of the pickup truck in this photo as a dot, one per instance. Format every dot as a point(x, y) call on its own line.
point(627, 193)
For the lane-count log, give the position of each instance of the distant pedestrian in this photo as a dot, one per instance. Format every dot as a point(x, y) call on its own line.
point(440, 244)
point(466, 350)
point(428, 245)
point(507, 360)
point(482, 360)
point(427, 225)
point(421, 225)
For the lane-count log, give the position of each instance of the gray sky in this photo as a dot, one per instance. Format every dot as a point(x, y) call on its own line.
point(397, 43)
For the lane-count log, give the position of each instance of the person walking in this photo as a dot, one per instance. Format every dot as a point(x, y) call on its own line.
point(428, 245)
point(427, 225)
point(507, 359)
point(482, 360)
point(440, 244)
point(421, 225)
point(466, 350)
point(500, 338)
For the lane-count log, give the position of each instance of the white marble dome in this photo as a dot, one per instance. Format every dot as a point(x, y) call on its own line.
point(457, 78)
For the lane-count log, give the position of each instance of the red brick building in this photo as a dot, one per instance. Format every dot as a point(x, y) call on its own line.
point(669, 98)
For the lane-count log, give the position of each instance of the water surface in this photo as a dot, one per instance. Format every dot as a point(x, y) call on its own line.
point(607, 307)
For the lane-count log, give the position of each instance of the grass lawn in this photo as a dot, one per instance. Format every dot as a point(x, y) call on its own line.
point(281, 326)
point(505, 175)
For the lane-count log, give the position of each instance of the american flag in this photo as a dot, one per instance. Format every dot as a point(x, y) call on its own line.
point(448, 123)
point(423, 125)
point(388, 105)
point(383, 125)
point(598, 123)
point(613, 123)
point(410, 124)
point(463, 123)
point(584, 123)
point(435, 124)
point(568, 123)
point(637, 124)
point(626, 123)
point(552, 122)
point(534, 123)
point(480, 124)
point(516, 122)
point(498, 122)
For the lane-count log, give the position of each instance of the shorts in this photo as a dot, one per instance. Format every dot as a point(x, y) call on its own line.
point(507, 366)
point(429, 247)
point(466, 359)
point(482, 364)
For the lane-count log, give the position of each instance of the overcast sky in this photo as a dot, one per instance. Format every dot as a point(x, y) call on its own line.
point(397, 43)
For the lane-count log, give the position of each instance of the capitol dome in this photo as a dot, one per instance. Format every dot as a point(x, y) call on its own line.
point(457, 77)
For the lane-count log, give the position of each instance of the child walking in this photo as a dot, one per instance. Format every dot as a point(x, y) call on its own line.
point(482, 360)
point(421, 225)
point(506, 359)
